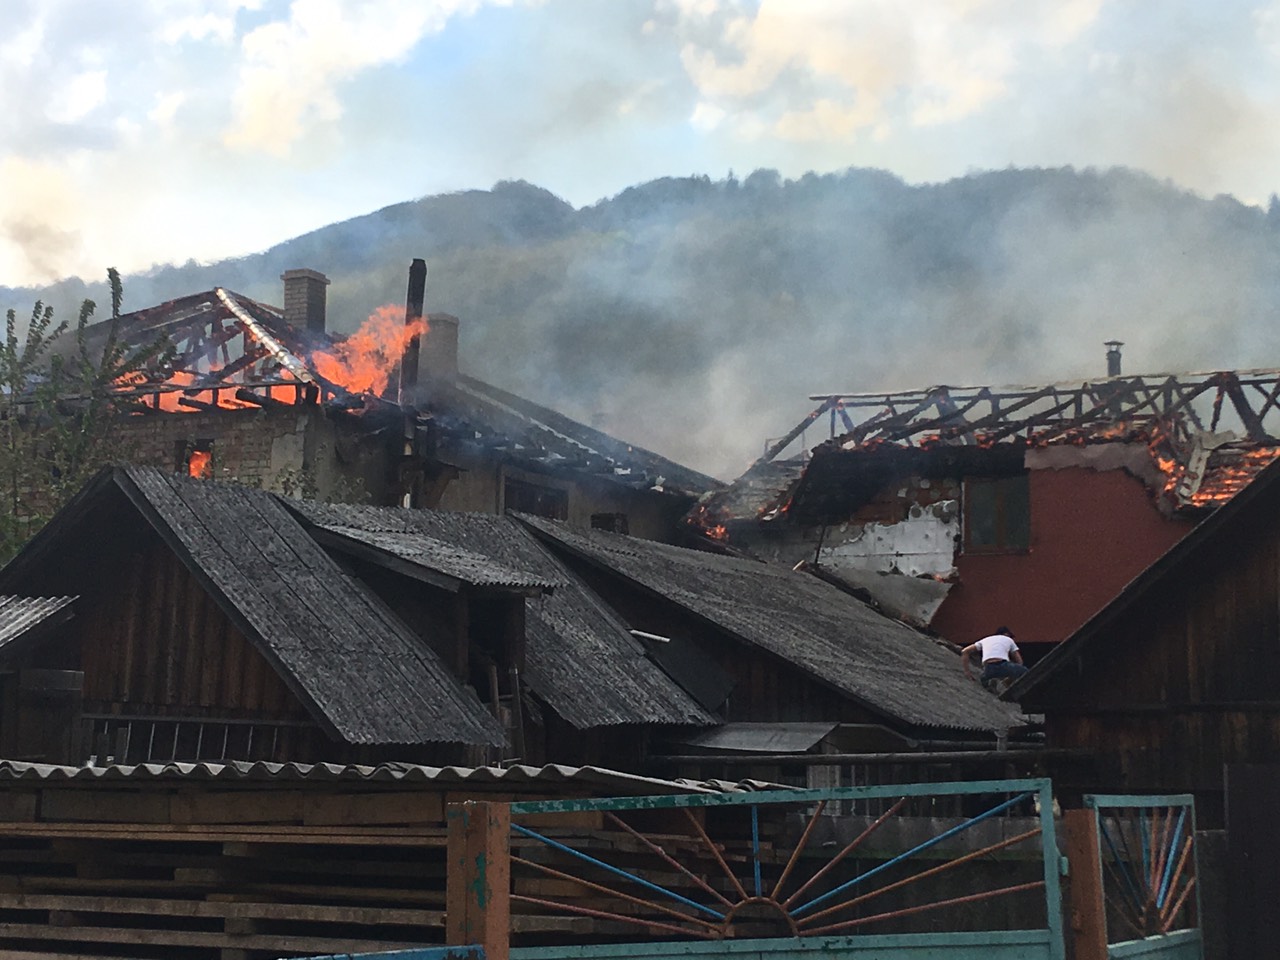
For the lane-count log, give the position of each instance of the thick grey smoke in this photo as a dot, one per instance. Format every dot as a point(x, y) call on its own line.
point(695, 317)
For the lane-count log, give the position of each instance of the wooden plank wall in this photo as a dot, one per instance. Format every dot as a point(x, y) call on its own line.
point(161, 641)
point(1183, 681)
point(203, 871)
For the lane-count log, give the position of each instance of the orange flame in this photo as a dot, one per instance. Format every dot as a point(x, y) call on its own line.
point(200, 465)
point(164, 398)
point(364, 362)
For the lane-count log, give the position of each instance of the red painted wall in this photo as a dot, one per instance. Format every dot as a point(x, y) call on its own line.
point(1091, 533)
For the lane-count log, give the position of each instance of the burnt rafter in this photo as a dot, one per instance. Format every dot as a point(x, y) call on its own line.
point(1184, 402)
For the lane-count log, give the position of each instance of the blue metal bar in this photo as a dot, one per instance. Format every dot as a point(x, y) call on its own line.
point(1146, 846)
point(755, 846)
point(879, 791)
point(648, 885)
point(1122, 863)
point(1168, 867)
point(804, 908)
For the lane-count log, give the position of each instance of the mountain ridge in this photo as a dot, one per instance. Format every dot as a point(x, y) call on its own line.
point(695, 316)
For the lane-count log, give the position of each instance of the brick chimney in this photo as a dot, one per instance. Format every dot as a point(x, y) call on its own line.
point(304, 296)
point(440, 349)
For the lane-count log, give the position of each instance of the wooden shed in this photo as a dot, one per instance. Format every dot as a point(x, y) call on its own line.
point(1180, 674)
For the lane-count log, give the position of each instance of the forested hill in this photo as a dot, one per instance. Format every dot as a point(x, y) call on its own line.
point(695, 317)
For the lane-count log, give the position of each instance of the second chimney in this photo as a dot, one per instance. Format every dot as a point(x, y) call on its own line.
point(1113, 357)
point(304, 297)
point(440, 348)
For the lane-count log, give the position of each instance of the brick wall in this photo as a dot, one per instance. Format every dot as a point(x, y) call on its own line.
point(297, 451)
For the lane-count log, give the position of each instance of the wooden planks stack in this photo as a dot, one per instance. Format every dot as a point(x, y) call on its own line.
point(204, 872)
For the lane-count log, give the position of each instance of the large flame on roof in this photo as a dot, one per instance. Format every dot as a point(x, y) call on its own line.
point(365, 361)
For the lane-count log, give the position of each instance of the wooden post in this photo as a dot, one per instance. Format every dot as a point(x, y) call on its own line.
point(477, 902)
point(1088, 910)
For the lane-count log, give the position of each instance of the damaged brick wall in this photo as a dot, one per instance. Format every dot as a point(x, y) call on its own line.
point(294, 451)
point(900, 546)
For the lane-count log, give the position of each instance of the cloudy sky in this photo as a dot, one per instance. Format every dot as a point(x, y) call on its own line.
point(134, 132)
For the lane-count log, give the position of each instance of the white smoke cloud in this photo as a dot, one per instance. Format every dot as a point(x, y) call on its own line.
point(826, 69)
point(291, 70)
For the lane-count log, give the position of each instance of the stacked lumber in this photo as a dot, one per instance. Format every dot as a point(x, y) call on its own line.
point(231, 875)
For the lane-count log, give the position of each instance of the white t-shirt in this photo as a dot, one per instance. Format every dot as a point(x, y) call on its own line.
point(996, 647)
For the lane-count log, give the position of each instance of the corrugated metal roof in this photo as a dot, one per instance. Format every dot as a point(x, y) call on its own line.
point(614, 781)
point(762, 737)
point(837, 639)
point(580, 658)
point(22, 616)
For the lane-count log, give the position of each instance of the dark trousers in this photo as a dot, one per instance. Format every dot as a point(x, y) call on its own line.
point(1002, 668)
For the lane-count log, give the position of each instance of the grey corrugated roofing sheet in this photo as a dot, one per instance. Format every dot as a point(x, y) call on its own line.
point(451, 559)
point(762, 737)
point(613, 781)
point(359, 670)
point(22, 616)
point(580, 658)
point(837, 639)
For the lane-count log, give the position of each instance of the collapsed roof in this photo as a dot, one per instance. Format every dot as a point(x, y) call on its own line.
point(1206, 435)
point(230, 352)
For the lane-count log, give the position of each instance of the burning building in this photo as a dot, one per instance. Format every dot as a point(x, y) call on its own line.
point(272, 397)
point(959, 508)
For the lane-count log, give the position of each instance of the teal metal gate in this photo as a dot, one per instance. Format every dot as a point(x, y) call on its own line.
point(1146, 845)
point(947, 871)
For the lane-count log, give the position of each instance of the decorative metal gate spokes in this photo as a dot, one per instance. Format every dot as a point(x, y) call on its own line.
point(1149, 864)
point(670, 877)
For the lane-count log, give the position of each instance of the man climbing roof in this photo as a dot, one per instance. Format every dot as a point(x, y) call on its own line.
point(999, 655)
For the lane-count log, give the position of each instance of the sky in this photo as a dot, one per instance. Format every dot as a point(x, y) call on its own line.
point(139, 132)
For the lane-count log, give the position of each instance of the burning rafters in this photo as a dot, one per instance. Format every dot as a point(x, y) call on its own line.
point(229, 352)
point(1184, 404)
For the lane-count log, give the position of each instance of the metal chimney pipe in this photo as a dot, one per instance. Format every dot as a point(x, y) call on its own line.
point(412, 313)
point(1113, 357)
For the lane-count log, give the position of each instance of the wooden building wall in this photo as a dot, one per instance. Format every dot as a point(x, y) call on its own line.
point(166, 674)
point(1182, 679)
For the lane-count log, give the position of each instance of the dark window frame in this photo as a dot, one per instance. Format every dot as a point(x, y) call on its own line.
point(1011, 532)
point(535, 498)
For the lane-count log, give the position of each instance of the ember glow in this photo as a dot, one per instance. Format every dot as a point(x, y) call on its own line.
point(165, 398)
point(200, 465)
point(365, 361)
point(1231, 474)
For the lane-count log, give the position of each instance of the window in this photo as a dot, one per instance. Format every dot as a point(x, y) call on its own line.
point(196, 459)
point(613, 522)
point(997, 515)
point(541, 501)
